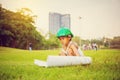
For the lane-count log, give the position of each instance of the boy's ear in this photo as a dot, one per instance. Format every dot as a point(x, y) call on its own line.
point(69, 36)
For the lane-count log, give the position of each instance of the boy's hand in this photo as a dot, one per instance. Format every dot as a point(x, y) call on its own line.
point(62, 54)
point(75, 50)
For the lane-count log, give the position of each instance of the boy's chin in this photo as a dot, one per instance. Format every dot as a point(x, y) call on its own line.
point(63, 44)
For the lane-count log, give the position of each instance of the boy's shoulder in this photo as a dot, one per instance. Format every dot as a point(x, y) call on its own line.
point(73, 44)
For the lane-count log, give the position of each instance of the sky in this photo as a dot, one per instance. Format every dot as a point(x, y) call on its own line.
point(99, 18)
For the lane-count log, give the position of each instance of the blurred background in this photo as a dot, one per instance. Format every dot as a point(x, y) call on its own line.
point(93, 22)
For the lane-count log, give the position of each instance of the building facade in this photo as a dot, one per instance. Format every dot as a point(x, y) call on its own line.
point(57, 20)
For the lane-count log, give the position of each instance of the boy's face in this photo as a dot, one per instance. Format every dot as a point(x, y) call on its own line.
point(64, 40)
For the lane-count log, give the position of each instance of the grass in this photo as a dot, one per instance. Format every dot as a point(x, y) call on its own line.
point(16, 64)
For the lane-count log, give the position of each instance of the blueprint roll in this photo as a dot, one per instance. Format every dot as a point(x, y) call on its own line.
point(64, 61)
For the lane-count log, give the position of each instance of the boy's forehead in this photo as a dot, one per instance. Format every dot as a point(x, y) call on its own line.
point(62, 36)
point(65, 37)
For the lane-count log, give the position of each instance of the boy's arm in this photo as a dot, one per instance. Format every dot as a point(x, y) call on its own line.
point(62, 54)
point(75, 50)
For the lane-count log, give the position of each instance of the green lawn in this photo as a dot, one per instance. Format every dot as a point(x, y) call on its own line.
point(16, 64)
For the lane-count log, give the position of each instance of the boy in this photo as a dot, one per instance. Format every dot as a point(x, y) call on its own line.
point(69, 48)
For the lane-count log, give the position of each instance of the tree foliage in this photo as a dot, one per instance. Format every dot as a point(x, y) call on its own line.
point(115, 42)
point(52, 42)
point(77, 40)
point(17, 29)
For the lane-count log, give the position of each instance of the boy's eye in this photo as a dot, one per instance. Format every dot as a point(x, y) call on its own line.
point(61, 38)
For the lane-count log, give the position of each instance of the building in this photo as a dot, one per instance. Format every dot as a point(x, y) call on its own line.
point(57, 20)
point(65, 20)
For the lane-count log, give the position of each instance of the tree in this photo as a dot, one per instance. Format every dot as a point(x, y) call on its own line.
point(77, 40)
point(115, 42)
point(52, 42)
point(17, 29)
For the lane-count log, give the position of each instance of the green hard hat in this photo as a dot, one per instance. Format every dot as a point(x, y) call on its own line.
point(64, 31)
